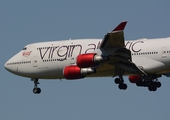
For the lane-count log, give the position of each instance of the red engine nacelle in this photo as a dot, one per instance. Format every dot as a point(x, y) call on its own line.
point(135, 78)
point(74, 72)
point(89, 60)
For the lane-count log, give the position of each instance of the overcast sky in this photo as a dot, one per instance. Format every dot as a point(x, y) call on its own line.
point(24, 22)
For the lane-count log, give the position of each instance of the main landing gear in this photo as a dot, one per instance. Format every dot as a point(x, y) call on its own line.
point(120, 82)
point(122, 85)
point(151, 84)
point(36, 89)
point(150, 81)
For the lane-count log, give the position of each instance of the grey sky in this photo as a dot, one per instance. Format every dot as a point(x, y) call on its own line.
point(24, 22)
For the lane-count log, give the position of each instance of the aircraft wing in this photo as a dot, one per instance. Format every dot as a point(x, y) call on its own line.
point(115, 38)
point(113, 45)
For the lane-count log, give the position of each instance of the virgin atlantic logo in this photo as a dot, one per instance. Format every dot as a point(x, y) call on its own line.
point(26, 54)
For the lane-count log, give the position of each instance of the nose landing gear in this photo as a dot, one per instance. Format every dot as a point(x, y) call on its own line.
point(36, 89)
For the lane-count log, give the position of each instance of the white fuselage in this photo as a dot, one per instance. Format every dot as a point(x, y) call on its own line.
point(48, 59)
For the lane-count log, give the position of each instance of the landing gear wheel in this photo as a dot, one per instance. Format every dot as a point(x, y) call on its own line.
point(139, 83)
point(36, 90)
point(158, 84)
point(122, 86)
point(117, 80)
point(152, 87)
point(125, 87)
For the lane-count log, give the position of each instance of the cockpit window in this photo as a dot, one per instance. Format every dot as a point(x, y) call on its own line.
point(24, 48)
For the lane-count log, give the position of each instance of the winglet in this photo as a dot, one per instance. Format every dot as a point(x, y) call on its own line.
point(120, 27)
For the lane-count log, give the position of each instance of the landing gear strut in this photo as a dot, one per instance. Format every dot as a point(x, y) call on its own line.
point(36, 89)
point(120, 81)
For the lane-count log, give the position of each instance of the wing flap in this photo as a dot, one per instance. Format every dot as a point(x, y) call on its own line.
point(122, 59)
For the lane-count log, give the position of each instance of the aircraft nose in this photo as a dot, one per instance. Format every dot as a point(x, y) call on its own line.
point(6, 66)
point(11, 65)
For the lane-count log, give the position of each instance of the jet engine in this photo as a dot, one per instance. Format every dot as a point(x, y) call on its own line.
point(74, 72)
point(135, 78)
point(89, 60)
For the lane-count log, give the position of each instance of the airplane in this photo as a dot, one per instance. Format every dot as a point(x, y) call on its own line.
point(143, 60)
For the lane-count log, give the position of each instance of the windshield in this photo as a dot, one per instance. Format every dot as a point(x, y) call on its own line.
point(24, 48)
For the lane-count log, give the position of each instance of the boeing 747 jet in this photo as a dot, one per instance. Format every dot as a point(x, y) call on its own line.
point(143, 60)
